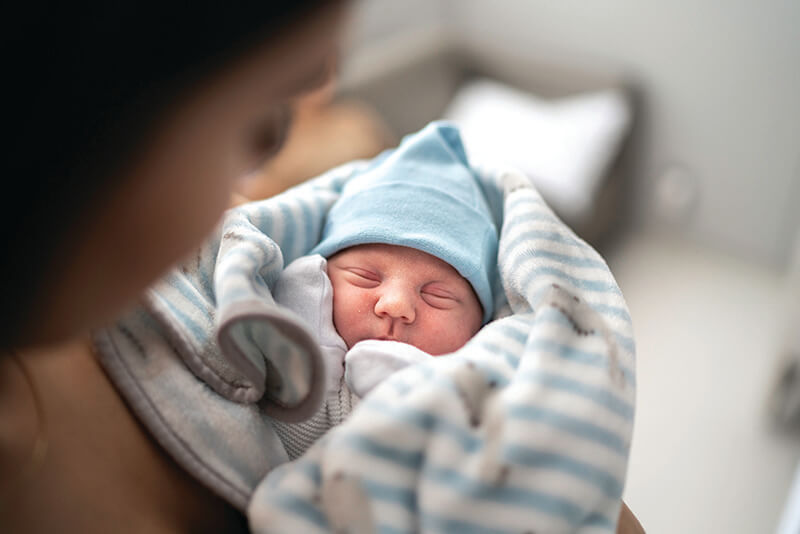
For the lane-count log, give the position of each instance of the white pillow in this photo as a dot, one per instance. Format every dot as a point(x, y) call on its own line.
point(563, 145)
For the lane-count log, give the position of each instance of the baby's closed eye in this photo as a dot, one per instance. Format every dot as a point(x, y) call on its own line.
point(362, 277)
point(439, 297)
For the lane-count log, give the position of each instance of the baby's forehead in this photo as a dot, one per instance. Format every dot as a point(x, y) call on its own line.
point(399, 256)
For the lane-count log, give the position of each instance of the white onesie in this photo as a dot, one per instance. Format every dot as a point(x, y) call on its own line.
point(304, 288)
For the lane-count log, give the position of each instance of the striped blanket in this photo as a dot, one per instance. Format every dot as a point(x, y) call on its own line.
point(527, 428)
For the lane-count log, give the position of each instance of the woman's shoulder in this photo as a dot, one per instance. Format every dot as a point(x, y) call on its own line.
point(70, 445)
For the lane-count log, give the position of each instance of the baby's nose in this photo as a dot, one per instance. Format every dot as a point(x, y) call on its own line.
point(396, 303)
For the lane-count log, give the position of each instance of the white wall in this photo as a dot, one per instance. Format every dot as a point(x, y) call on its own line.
point(721, 88)
point(374, 21)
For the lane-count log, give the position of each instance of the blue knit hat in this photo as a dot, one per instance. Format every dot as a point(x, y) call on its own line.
point(422, 195)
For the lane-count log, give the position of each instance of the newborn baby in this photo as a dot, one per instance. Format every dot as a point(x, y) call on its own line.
point(401, 273)
point(402, 294)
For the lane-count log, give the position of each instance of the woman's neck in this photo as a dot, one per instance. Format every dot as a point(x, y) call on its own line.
point(73, 457)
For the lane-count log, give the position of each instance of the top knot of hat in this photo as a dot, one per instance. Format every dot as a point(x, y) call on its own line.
point(425, 196)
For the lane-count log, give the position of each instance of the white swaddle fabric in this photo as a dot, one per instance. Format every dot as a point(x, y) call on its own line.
point(371, 361)
point(526, 428)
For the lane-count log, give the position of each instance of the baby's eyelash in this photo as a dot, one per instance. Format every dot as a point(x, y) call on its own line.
point(363, 273)
point(439, 294)
point(439, 298)
point(361, 277)
point(438, 291)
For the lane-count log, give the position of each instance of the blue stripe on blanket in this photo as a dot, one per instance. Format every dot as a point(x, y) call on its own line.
point(195, 329)
point(506, 495)
point(301, 508)
point(509, 330)
point(521, 218)
point(239, 293)
point(594, 359)
point(385, 492)
point(409, 460)
point(513, 204)
point(600, 308)
point(572, 261)
point(568, 352)
point(613, 311)
point(547, 460)
point(600, 286)
point(437, 523)
point(468, 442)
point(527, 456)
point(309, 230)
point(263, 217)
point(602, 397)
point(253, 238)
point(204, 270)
point(425, 421)
point(287, 238)
point(572, 425)
point(190, 294)
point(558, 317)
point(247, 277)
point(386, 529)
point(465, 487)
point(402, 388)
point(545, 235)
point(303, 466)
point(511, 359)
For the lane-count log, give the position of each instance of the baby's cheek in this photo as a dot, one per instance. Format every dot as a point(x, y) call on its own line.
point(349, 311)
point(459, 335)
point(444, 334)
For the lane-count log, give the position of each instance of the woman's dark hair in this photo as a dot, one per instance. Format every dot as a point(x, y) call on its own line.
point(84, 86)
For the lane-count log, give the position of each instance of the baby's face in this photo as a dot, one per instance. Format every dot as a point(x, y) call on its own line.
point(402, 294)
